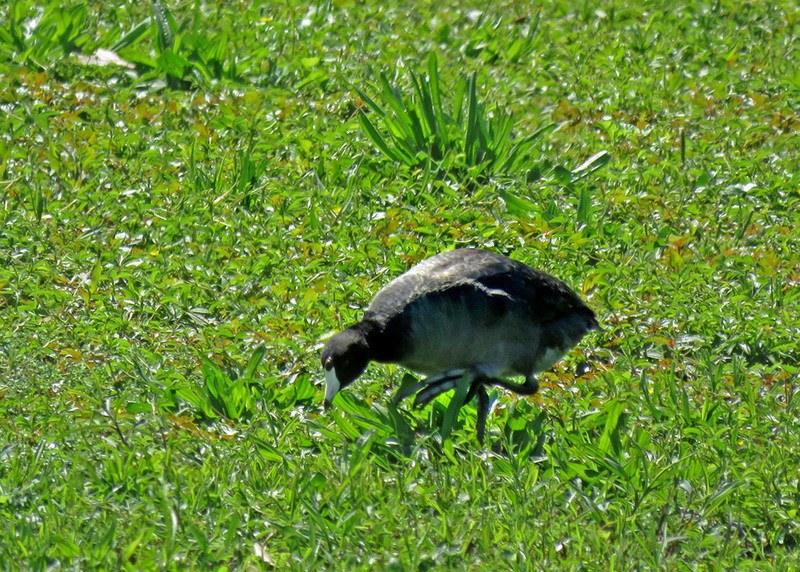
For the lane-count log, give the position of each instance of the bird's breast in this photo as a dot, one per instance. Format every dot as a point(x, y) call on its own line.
point(450, 339)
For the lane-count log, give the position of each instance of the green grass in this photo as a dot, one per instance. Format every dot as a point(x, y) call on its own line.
point(160, 225)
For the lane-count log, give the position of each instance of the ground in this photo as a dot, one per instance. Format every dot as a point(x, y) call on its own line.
point(179, 234)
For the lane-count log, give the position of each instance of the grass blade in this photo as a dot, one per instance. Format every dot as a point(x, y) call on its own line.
point(585, 206)
point(396, 104)
point(255, 360)
point(436, 100)
point(455, 405)
point(380, 142)
point(370, 103)
point(592, 164)
point(471, 136)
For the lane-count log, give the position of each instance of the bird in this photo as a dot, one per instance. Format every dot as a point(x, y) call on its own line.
point(463, 312)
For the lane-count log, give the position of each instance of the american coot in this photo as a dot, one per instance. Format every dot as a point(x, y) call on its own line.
point(465, 311)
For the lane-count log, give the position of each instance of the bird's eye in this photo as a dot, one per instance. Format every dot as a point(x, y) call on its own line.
point(328, 363)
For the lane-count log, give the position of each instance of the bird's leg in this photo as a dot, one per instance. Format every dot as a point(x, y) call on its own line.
point(438, 384)
point(445, 378)
point(433, 386)
point(477, 389)
point(530, 386)
point(483, 410)
point(407, 390)
point(473, 390)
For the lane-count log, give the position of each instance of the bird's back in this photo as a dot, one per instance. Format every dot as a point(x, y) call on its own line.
point(467, 307)
point(545, 295)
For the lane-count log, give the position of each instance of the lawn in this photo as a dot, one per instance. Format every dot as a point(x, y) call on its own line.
point(180, 232)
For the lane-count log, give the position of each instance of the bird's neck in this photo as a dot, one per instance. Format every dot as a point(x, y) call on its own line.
point(386, 341)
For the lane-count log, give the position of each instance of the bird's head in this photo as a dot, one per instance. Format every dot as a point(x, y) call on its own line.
point(344, 357)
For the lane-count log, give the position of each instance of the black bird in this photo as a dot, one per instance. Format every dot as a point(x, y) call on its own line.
point(462, 311)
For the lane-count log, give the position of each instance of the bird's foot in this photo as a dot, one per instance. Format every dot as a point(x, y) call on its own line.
point(434, 386)
point(530, 386)
point(409, 389)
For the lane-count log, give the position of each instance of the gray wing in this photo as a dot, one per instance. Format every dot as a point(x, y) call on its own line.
point(506, 284)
